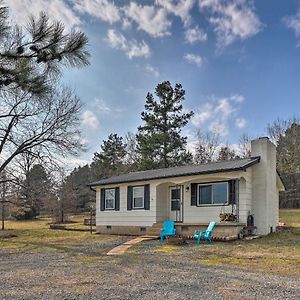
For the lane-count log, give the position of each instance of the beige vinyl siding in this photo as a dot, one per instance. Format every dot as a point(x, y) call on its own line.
point(160, 202)
point(245, 195)
point(206, 214)
point(124, 217)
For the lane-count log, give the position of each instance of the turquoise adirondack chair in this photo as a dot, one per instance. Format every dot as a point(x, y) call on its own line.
point(205, 234)
point(168, 230)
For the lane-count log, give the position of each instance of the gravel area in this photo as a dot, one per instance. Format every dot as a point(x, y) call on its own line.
point(85, 272)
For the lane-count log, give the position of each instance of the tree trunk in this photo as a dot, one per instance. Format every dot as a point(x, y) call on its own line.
point(2, 214)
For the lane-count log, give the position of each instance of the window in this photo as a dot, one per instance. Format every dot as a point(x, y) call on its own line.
point(175, 199)
point(138, 197)
point(210, 194)
point(110, 198)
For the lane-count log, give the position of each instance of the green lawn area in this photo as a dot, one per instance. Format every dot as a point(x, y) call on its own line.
point(291, 217)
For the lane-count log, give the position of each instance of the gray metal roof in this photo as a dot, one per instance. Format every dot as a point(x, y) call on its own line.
point(209, 168)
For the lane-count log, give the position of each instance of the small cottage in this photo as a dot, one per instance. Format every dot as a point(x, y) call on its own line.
point(233, 193)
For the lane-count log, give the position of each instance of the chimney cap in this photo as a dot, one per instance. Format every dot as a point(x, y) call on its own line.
point(263, 137)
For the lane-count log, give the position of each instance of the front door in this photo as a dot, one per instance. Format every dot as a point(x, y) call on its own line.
point(176, 203)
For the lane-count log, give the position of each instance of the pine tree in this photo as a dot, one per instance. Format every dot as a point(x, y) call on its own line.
point(77, 181)
point(109, 161)
point(288, 150)
point(34, 192)
point(159, 138)
point(226, 153)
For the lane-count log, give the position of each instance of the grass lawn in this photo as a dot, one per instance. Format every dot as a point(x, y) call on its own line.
point(276, 253)
point(35, 235)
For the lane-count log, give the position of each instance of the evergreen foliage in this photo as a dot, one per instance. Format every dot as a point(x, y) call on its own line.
point(161, 144)
point(288, 150)
point(110, 160)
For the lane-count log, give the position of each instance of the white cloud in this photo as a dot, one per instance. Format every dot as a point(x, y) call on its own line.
point(132, 48)
point(195, 34)
point(193, 59)
point(232, 19)
point(56, 9)
point(152, 70)
point(103, 9)
point(293, 22)
point(240, 122)
point(237, 98)
point(101, 105)
point(180, 8)
point(90, 119)
point(151, 19)
point(126, 24)
point(217, 114)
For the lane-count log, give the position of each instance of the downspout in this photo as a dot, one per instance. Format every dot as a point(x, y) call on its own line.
point(92, 189)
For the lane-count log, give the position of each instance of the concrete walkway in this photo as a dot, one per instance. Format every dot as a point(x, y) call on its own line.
point(119, 250)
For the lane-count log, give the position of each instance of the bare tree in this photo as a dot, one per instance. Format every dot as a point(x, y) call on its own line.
point(133, 156)
point(206, 146)
point(37, 116)
point(227, 153)
point(245, 146)
point(278, 128)
point(44, 127)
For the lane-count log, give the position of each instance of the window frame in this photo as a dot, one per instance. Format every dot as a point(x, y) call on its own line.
point(143, 195)
point(114, 200)
point(211, 184)
point(177, 199)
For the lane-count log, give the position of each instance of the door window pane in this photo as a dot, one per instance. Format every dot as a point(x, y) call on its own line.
point(175, 193)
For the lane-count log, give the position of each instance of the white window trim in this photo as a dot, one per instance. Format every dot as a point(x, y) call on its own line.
point(114, 202)
point(212, 204)
point(133, 189)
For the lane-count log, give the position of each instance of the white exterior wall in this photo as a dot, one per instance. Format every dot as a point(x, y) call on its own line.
point(202, 214)
point(265, 190)
point(124, 217)
point(160, 201)
point(245, 196)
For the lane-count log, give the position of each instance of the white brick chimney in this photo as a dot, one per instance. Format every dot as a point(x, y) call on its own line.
point(265, 205)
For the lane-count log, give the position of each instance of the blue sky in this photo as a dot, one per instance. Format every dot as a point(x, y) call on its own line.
point(238, 60)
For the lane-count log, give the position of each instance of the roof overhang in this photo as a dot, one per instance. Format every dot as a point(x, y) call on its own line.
point(254, 161)
point(279, 182)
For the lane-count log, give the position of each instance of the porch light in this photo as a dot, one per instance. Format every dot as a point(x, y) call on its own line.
point(187, 188)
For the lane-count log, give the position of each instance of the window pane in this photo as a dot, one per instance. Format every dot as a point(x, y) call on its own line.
point(138, 192)
point(110, 194)
point(175, 194)
point(220, 193)
point(138, 202)
point(175, 205)
point(205, 194)
point(109, 203)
